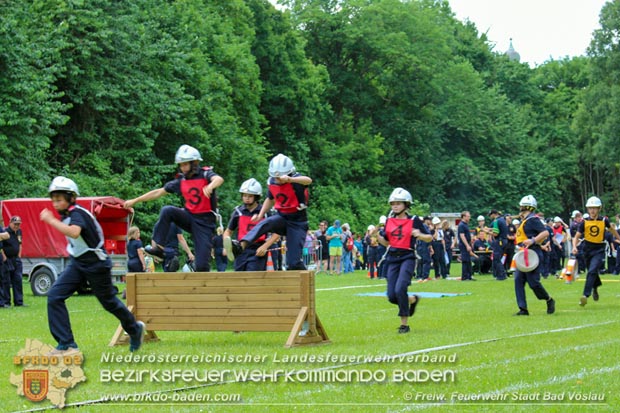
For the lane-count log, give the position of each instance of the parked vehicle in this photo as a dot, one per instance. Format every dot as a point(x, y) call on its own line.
point(44, 253)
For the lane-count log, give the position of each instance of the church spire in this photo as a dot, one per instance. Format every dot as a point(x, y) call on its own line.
point(512, 53)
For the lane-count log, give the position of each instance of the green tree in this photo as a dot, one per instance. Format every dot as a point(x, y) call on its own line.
point(30, 104)
point(597, 124)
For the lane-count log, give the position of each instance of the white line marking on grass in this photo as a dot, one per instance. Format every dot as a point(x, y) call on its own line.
point(395, 356)
point(350, 286)
point(490, 340)
point(541, 355)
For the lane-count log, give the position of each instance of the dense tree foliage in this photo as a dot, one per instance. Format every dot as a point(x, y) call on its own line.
point(598, 123)
point(364, 96)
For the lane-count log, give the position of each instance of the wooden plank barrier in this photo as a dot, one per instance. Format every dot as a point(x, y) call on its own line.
point(225, 301)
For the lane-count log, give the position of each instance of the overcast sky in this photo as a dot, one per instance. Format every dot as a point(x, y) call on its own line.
point(540, 29)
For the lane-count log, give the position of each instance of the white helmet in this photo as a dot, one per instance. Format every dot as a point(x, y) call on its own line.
point(62, 184)
point(586, 216)
point(187, 153)
point(594, 202)
point(557, 219)
point(515, 222)
point(281, 165)
point(400, 195)
point(252, 187)
point(382, 220)
point(480, 218)
point(528, 201)
point(575, 213)
point(371, 227)
point(436, 220)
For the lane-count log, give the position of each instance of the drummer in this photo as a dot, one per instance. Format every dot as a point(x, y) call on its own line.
point(530, 235)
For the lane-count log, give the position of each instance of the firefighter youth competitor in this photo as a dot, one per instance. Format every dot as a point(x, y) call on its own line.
point(197, 186)
point(593, 231)
point(400, 234)
point(288, 194)
point(88, 260)
point(531, 234)
point(254, 257)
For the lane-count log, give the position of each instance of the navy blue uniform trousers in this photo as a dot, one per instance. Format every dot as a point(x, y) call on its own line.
point(466, 270)
point(594, 259)
point(14, 273)
point(99, 277)
point(533, 280)
point(295, 232)
point(399, 272)
point(249, 261)
point(200, 226)
point(499, 271)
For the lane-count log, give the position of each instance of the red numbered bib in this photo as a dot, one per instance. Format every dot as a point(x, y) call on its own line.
point(399, 232)
point(285, 199)
point(196, 201)
point(245, 226)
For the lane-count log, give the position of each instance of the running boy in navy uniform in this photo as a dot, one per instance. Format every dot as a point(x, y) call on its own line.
point(288, 194)
point(88, 261)
point(197, 186)
point(400, 234)
point(531, 234)
point(254, 257)
point(593, 231)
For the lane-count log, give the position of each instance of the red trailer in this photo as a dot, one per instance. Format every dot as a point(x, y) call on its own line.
point(44, 249)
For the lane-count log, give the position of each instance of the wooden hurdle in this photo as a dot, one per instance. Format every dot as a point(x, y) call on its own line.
point(225, 301)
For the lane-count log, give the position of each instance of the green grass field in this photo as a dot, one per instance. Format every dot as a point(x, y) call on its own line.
point(480, 356)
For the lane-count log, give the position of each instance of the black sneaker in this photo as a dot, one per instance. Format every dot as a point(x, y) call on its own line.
point(237, 247)
point(413, 305)
point(550, 306)
point(595, 294)
point(155, 251)
point(403, 329)
point(523, 312)
point(135, 341)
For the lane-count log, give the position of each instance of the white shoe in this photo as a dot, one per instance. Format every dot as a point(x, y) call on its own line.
point(229, 249)
point(70, 351)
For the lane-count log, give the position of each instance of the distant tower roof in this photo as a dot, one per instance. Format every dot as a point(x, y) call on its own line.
point(512, 53)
